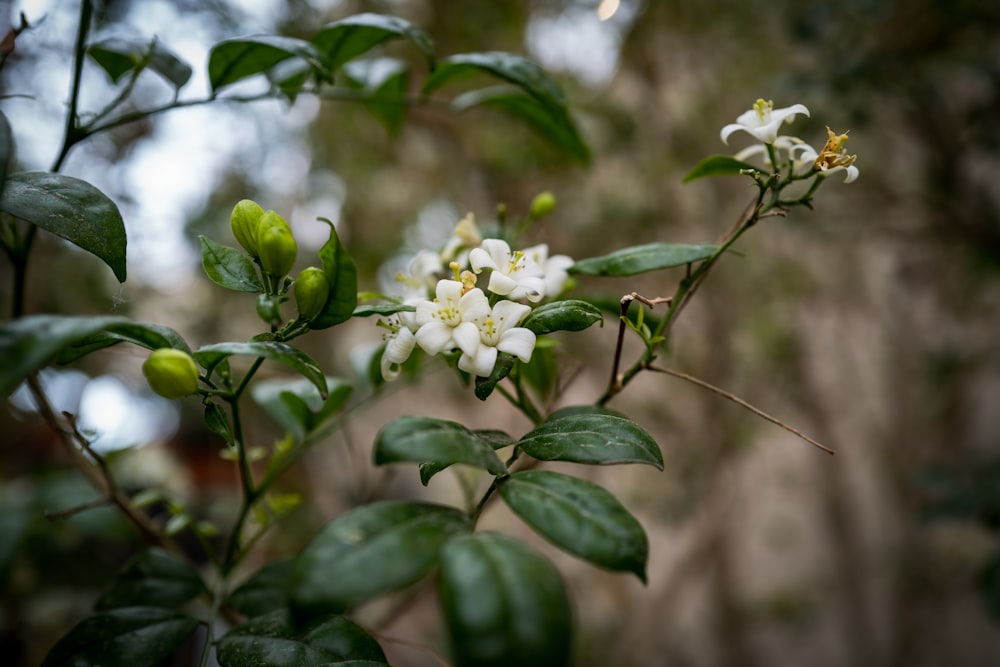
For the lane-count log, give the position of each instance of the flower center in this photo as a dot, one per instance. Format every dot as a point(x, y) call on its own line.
point(763, 109)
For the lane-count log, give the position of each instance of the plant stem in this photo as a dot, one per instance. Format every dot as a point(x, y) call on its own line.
point(72, 136)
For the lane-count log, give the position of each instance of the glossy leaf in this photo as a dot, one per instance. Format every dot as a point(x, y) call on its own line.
point(118, 56)
point(504, 604)
point(210, 356)
point(70, 208)
point(266, 591)
point(643, 258)
point(374, 549)
point(551, 122)
point(719, 165)
point(348, 38)
point(438, 441)
point(229, 267)
point(510, 67)
point(342, 277)
point(496, 440)
point(274, 640)
point(501, 369)
point(567, 315)
point(143, 334)
point(124, 637)
point(232, 60)
point(297, 406)
point(367, 310)
point(579, 517)
point(155, 576)
point(592, 438)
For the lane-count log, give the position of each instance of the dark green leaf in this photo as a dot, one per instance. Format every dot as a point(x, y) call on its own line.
point(273, 640)
point(588, 409)
point(6, 149)
point(501, 369)
point(353, 36)
point(297, 406)
point(153, 576)
point(368, 310)
point(568, 315)
point(429, 440)
point(718, 165)
point(265, 591)
point(125, 637)
point(384, 82)
point(592, 438)
point(369, 551)
point(504, 603)
point(229, 267)
point(496, 439)
point(639, 259)
point(218, 423)
point(342, 276)
point(579, 517)
point(143, 334)
point(512, 68)
point(234, 59)
point(210, 356)
point(70, 208)
point(552, 123)
point(118, 56)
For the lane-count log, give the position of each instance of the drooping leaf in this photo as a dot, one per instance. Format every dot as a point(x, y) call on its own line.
point(510, 67)
point(274, 640)
point(229, 267)
point(297, 406)
point(70, 208)
point(217, 422)
point(348, 38)
point(143, 334)
point(342, 277)
point(719, 165)
point(154, 575)
point(496, 440)
point(552, 123)
point(210, 356)
point(579, 517)
point(266, 591)
point(504, 604)
point(124, 637)
point(567, 315)
point(501, 369)
point(371, 550)
point(438, 441)
point(643, 258)
point(118, 56)
point(232, 60)
point(593, 438)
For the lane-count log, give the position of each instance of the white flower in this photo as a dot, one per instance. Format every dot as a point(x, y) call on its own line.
point(799, 153)
point(514, 274)
point(498, 332)
point(399, 343)
point(421, 275)
point(448, 322)
point(465, 236)
point(553, 268)
point(833, 157)
point(763, 121)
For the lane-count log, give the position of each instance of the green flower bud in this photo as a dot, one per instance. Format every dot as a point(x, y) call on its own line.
point(171, 373)
point(245, 220)
point(276, 245)
point(542, 205)
point(311, 292)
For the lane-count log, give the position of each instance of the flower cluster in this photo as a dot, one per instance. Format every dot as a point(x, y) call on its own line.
point(452, 314)
point(763, 122)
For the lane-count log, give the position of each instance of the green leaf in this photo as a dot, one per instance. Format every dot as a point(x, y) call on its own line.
point(274, 640)
point(429, 440)
point(124, 637)
point(496, 440)
point(153, 575)
point(6, 149)
point(297, 406)
point(118, 56)
point(579, 517)
point(232, 60)
point(592, 438)
point(504, 604)
point(719, 165)
point(643, 258)
point(568, 315)
point(384, 82)
point(353, 36)
point(143, 334)
point(551, 122)
point(70, 208)
point(501, 369)
point(229, 267)
point(265, 591)
point(210, 356)
point(382, 309)
point(512, 68)
point(218, 423)
point(374, 549)
point(342, 277)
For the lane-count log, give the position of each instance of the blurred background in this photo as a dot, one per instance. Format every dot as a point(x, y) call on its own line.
point(870, 323)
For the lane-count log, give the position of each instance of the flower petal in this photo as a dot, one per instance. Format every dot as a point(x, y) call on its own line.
point(466, 337)
point(434, 337)
point(508, 314)
point(501, 283)
point(399, 347)
point(518, 341)
point(481, 363)
point(479, 259)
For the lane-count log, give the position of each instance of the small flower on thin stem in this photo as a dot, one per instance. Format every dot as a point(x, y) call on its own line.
point(399, 343)
point(763, 121)
point(514, 274)
point(421, 275)
point(800, 154)
point(554, 269)
point(498, 332)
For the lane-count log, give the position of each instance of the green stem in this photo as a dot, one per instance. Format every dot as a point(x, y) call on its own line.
point(72, 135)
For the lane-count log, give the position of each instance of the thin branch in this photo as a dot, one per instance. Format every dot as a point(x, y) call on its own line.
point(739, 401)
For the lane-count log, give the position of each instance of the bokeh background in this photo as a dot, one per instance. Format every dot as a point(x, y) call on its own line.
point(871, 323)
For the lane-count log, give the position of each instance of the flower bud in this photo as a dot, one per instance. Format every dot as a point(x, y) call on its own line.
point(311, 292)
point(171, 373)
point(276, 244)
point(245, 220)
point(542, 205)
